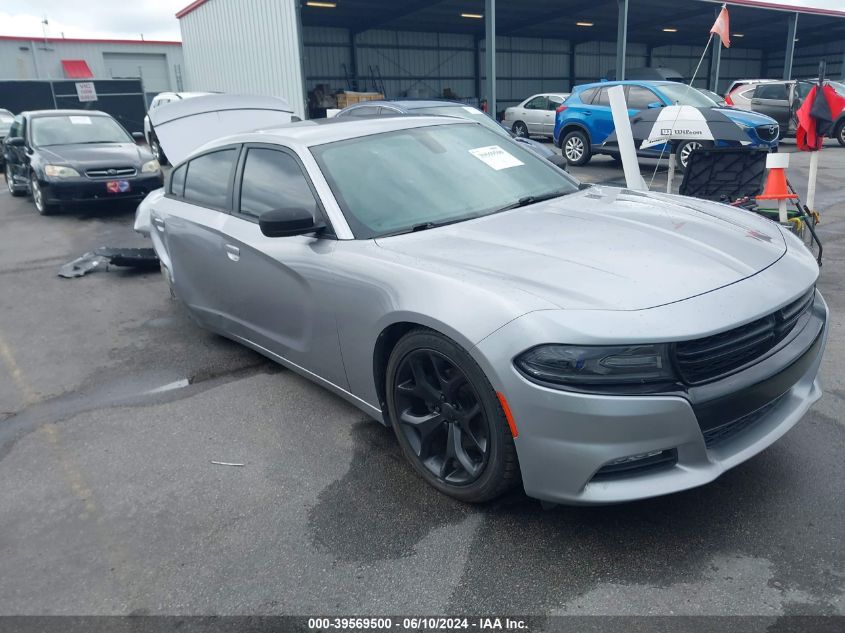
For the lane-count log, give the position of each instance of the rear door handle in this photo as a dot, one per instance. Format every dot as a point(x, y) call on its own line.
point(232, 252)
point(588, 114)
point(158, 223)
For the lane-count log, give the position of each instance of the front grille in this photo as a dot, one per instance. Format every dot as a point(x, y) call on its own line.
point(111, 172)
point(622, 469)
point(724, 432)
point(717, 356)
point(767, 132)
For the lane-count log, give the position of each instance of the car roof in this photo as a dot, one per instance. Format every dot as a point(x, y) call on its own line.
point(46, 113)
point(410, 104)
point(628, 82)
point(320, 131)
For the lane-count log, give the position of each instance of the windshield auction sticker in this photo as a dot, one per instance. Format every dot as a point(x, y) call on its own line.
point(495, 157)
point(80, 120)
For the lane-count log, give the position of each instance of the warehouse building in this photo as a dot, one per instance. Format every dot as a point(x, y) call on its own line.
point(437, 48)
point(158, 64)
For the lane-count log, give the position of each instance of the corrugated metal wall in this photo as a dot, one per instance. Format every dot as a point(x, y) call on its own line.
point(35, 59)
point(805, 62)
point(525, 66)
point(736, 63)
point(259, 55)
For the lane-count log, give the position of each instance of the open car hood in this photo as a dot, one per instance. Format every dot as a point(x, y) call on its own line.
point(185, 125)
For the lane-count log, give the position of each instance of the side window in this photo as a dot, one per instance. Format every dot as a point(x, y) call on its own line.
point(177, 181)
point(537, 103)
point(17, 127)
point(363, 111)
point(588, 95)
point(639, 98)
point(602, 99)
point(207, 180)
point(554, 102)
point(273, 180)
point(771, 91)
point(802, 89)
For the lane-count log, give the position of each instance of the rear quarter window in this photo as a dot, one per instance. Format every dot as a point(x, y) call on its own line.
point(207, 182)
point(587, 95)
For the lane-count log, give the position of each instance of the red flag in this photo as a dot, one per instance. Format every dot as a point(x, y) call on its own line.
point(722, 27)
point(816, 116)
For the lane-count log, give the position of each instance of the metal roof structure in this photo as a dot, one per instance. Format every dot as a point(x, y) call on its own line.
point(755, 22)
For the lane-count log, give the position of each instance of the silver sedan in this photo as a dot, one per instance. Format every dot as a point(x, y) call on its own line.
point(511, 325)
point(535, 116)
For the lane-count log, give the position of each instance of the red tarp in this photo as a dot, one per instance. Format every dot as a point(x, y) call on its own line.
point(77, 69)
point(816, 116)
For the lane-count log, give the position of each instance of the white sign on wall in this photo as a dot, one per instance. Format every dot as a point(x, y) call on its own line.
point(85, 91)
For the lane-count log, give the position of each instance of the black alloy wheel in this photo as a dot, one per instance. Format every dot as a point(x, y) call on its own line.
point(448, 419)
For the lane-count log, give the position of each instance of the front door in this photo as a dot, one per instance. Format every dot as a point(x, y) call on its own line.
point(772, 99)
point(277, 285)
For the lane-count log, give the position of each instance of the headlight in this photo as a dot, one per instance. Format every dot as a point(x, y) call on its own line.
point(60, 171)
point(150, 167)
point(597, 365)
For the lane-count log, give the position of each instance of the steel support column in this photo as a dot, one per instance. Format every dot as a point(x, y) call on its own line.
point(715, 61)
point(791, 30)
point(621, 39)
point(572, 78)
point(490, 54)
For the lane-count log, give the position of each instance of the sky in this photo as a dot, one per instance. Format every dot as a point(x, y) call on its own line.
point(128, 19)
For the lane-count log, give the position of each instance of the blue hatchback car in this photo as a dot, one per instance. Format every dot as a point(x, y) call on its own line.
point(584, 120)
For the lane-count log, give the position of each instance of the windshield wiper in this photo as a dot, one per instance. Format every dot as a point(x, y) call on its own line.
point(526, 200)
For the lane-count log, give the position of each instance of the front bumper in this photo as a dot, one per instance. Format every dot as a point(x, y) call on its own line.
point(565, 438)
point(79, 190)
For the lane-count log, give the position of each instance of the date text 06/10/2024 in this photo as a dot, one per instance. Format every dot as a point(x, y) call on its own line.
point(352, 624)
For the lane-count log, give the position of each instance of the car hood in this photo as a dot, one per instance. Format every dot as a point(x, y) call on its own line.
point(91, 155)
point(186, 125)
point(747, 117)
point(602, 248)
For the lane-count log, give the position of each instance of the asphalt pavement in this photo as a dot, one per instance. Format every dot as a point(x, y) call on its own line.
point(114, 406)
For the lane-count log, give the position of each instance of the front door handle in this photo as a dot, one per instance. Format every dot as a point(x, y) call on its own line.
point(232, 252)
point(158, 223)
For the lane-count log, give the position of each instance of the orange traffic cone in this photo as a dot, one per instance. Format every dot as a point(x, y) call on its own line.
point(776, 187)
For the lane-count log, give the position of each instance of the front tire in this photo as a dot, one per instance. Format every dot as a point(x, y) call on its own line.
point(576, 148)
point(685, 148)
point(520, 130)
point(156, 150)
point(38, 197)
point(448, 419)
point(840, 133)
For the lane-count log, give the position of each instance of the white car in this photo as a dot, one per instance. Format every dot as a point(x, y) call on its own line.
point(159, 100)
point(535, 116)
point(741, 91)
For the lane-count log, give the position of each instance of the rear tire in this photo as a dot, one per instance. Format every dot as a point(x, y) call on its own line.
point(575, 146)
point(11, 186)
point(448, 419)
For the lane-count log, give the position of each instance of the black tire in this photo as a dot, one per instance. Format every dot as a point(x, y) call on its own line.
point(437, 397)
point(38, 197)
point(158, 153)
point(616, 158)
point(839, 133)
point(575, 146)
point(11, 187)
point(519, 129)
point(684, 149)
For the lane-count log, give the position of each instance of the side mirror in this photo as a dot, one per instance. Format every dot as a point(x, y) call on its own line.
point(138, 136)
point(655, 104)
point(15, 141)
point(288, 222)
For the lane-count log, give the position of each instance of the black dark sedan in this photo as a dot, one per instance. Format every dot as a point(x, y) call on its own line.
point(6, 119)
point(64, 157)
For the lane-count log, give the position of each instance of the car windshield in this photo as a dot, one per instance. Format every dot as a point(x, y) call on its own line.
point(838, 87)
point(463, 112)
point(681, 94)
point(70, 129)
point(446, 174)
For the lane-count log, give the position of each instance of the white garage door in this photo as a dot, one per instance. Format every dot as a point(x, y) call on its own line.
point(151, 67)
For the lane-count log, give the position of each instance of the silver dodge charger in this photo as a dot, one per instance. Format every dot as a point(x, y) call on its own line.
point(511, 325)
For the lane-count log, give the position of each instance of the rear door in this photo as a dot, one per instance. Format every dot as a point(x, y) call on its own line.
point(601, 122)
point(277, 286)
point(16, 157)
point(772, 99)
point(191, 219)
